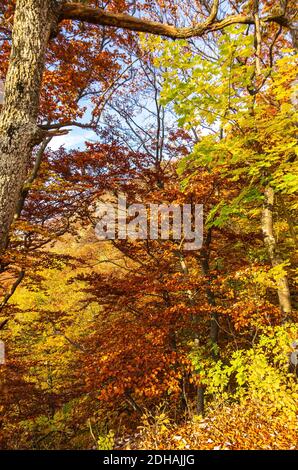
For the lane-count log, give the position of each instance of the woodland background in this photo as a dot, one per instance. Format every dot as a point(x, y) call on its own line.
point(139, 344)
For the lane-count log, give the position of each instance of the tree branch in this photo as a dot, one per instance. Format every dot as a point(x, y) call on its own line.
point(81, 12)
point(10, 294)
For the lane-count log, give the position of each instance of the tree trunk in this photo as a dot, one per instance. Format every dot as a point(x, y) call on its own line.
point(283, 290)
point(200, 401)
point(33, 22)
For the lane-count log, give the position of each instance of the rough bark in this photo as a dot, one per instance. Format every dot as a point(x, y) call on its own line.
point(33, 22)
point(283, 290)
